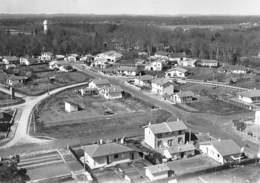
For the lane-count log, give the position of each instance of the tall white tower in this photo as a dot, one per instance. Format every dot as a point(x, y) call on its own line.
point(45, 26)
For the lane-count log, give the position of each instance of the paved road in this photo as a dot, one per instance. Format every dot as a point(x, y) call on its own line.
point(21, 134)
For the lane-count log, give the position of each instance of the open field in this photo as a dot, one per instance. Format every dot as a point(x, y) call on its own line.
point(5, 100)
point(216, 107)
point(52, 112)
point(129, 124)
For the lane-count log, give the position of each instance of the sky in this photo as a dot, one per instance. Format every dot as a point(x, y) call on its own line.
point(140, 7)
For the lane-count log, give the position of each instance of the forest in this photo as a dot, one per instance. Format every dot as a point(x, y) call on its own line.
point(80, 34)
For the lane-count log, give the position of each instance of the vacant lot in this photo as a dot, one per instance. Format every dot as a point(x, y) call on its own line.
point(110, 126)
point(52, 111)
point(5, 100)
point(216, 107)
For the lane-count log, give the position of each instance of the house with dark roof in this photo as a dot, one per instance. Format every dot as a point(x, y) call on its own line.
point(176, 72)
point(103, 155)
point(168, 138)
point(14, 80)
point(182, 97)
point(223, 151)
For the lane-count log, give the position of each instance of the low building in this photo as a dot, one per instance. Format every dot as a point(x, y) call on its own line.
point(162, 86)
point(236, 69)
point(46, 56)
point(168, 138)
point(99, 83)
point(126, 70)
point(88, 91)
point(72, 58)
point(143, 81)
point(176, 72)
point(207, 63)
point(161, 54)
point(11, 60)
point(111, 92)
point(250, 97)
point(223, 151)
point(182, 97)
point(28, 61)
point(187, 62)
point(109, 56)
point(71, 106)
point(102, 155)
point(15, 80)
point(60, 57)
point(158, 172)
point(65, 68)
point(156, 65)
point(177, 57)
point(10, 66)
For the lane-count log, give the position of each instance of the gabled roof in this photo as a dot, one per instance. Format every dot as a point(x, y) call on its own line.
point(226, 147)
point(160, 81)
point(11, 58)
point(251, 93)
point(178, 69)
point(181, 148)
point(185, 94)
point(113, 89)
point(160, 168)
point(178, 55)
point(99, 150)
point(101, 82)
point(167, 127)
point(206, 61)
point(163, 53)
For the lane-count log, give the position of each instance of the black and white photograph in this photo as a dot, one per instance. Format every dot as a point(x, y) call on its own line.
point(129, 91)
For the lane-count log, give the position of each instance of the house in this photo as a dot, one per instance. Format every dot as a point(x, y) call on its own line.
point(46, 56)
point(10, 66)
point(72, 57)
point(88, 91)
point(207, 63)
point(161, 86)
point(223, 151)
point(143, 81)
point(109, 56)
point(60, 57)
point(102, 155)
point(177, 57)
point(111, 92)
point(156, 65)
point(142, 54)
point(187, 62)
point(252, 96)
point(71, 106)
point(28, 61)
point(158, 172)
point(168, 138)
point(182, 97)
point(11, 60)
point(236, 69)
point(161, 55)
point(65, 68)
point(99, 83)
point(127, 70)
point(14, 80)
point(176, 72)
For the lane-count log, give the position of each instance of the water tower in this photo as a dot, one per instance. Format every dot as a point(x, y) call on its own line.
point(45, 26)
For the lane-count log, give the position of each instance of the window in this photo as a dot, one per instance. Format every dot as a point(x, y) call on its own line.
point(170, 142)
point(159, 143)
point(116, 156)
point(179, 140)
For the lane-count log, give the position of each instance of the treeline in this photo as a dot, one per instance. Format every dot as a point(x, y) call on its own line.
point(224, 45)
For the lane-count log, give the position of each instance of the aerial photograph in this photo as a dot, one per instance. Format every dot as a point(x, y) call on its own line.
point(129, 91)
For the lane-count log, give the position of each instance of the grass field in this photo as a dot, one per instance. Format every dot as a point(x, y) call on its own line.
point(52, 111)
point(216, 107)
point(5, 100)
point(40, 82)
point(129, 125)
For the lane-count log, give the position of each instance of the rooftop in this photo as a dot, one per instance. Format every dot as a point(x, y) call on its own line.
point(145, 77)
point(180, 69)
point(99, 150)
point(208, 61)
point(185, 94)
point(181, 148)
point(160, 81)
point(167, 127)
point(251, 93)
point(101, 81)
point(154, 169)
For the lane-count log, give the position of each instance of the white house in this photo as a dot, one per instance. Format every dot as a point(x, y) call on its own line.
point(187, 62)
point(99, 83)
point(249, 97)
point(8, 60)
point(71, 106)
point(109, 56)
point(176, 72)
point(72, 58)
point(222, 151)
point(15, 80)
point(162, 86)
point(182, 97)
point(145, 80)
point(65, 68)
point(156, 65)
point(111, 92)
point(28, 61)
point(168, 138)
point(59, 57)
point(161, 55)
point(126, 70)
point(158, 172)
point(207, 63)
point(46, 56)
point(177, 57)
point(111, 154)
point(236, 69)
